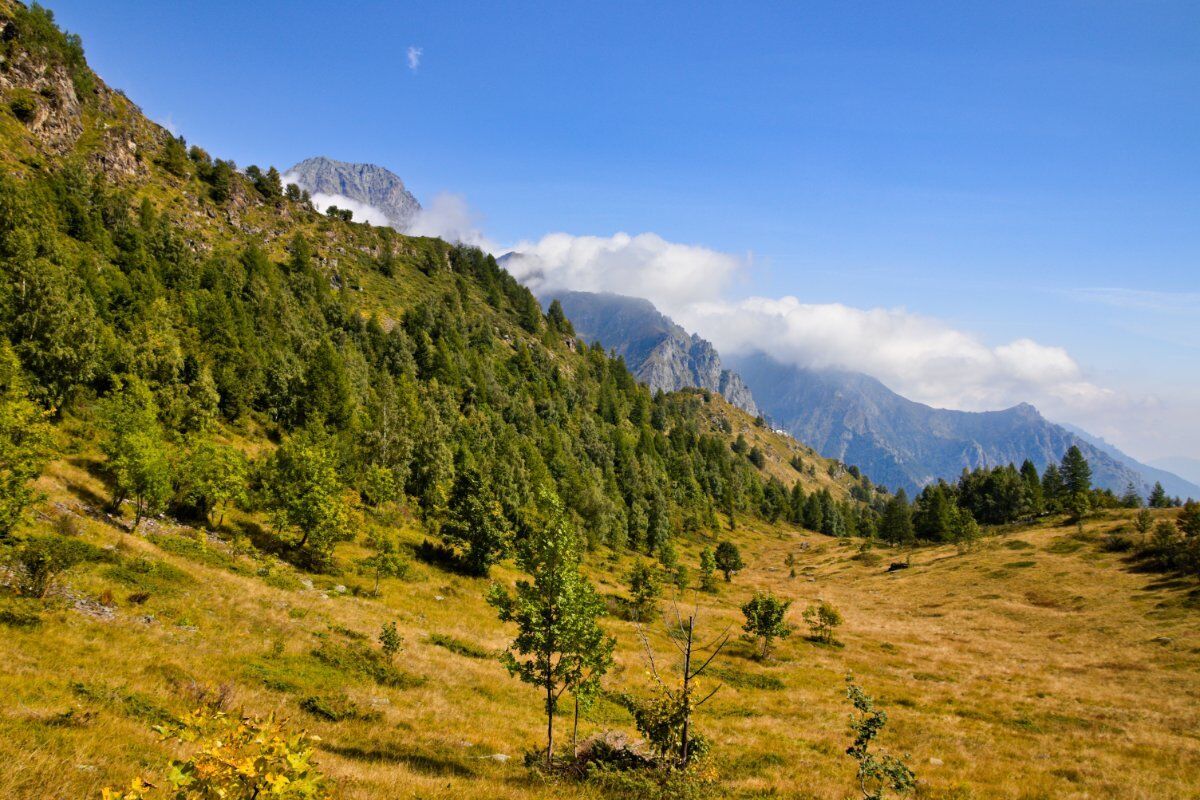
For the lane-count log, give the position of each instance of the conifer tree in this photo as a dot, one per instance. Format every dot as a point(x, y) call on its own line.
point(729, 559)
point(1076, 473)
point(475, 528)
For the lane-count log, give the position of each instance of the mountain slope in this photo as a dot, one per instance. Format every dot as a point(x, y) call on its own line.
point(1173, 483)
point(1186, 468)
point(366, 183)
point(658, 351)
point(898, 442)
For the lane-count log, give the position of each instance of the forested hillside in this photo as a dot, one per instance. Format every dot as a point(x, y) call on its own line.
point(266, 471)
point(145, 270)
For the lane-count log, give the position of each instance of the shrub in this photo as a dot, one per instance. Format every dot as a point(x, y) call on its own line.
point(459, 647)
point(822, 619)
point(246, 758)
point(390, 641)
point(877, 774)
point(39, 562)
point(23, 105)
point(336, 709)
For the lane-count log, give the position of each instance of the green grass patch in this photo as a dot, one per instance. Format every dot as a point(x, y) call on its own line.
point(194, 551)
point(361, 659)
point(1020, 564)
point(460, 647)
point(1018, 544)
point(747, 680)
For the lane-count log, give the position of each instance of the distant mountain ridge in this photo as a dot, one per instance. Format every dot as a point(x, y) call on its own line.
point(657, 351)
point(366, 183)
point(902, 443)
point(848, 415)
point(1174, 484)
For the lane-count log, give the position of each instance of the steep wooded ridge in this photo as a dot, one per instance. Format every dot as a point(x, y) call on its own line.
point(130, 257)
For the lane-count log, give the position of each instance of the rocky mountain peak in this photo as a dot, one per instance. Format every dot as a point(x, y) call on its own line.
point(365, 183)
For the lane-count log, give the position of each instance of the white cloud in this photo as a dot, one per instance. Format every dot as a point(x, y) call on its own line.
point(414, 57)
point(449, 217)
point(672, 276)
point(920, 357)
point(363, 212)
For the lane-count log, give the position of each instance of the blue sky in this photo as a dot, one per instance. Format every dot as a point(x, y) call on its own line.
point(1005, 171)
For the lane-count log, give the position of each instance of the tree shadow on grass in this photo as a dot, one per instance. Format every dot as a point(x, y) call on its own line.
point(417, 761)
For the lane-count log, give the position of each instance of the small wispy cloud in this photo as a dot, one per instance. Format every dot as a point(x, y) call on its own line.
point(169, 123)
point(414, 57)
point(1141, 299)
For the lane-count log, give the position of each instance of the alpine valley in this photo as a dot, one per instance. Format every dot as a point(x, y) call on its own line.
point(297, 505)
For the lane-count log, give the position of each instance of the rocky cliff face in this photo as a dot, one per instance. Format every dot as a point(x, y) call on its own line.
point(366, 183)
point(660, 353)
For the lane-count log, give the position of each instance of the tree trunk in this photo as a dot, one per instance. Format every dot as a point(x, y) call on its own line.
point(575, 729)
point(687, 693)
point(549, 722)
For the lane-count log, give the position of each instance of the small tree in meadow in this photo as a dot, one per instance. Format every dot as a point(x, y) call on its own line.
point(729, 559)
point(708, 570)
point(765, 622)
point(390, 641)
point(877, 774)
point(644, 589)
point(555, 612)
point(1143, 521)
point(822, 619)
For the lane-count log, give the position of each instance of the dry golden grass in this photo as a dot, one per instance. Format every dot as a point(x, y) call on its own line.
point(1041, 669)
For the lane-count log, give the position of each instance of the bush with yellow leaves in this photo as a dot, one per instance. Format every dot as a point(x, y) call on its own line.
point(235, 759)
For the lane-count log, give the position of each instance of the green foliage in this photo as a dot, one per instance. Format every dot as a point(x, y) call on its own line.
point(708, 570)
point(559, 645)
point(644, 589)
point(877, 774)
point(23, 105)
point(728, 559)
point(458, 646)
point(1143, 521)
point(137, 452)
point(765, 620)
point(822, 619)
point(212, 477)
point(304, 493)
point(235, 758)
point(896, 527)
point(39, 560)
point(1076, 473)
point(390, 642)
point(24, 444)
point(1189, 519)
point(476, 529)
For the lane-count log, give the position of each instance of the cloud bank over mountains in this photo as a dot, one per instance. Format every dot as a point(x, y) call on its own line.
point(921, 357)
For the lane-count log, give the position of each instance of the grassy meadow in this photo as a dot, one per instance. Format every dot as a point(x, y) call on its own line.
point(1036, 666)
